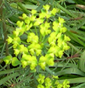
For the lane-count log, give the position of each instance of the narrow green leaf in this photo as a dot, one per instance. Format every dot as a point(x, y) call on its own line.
point(70, 71)
point(82, 62)
point(2, 81)
point(75, 80)
point(40, 7)
point(65, 10)
point(10, 70)
point(23, 8)
point(30, 6)
point(80, 86)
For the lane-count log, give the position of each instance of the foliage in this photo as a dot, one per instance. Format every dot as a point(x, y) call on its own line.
point(51, 82)
point(70, 66)
point(44, 40)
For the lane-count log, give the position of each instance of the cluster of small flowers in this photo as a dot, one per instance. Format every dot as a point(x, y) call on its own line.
point(47, 82)
point(45, 39)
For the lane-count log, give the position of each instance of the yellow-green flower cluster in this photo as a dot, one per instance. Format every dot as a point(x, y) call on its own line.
point(44, 38)
point(58, 36)
point(29, 60)
point(51, 82)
